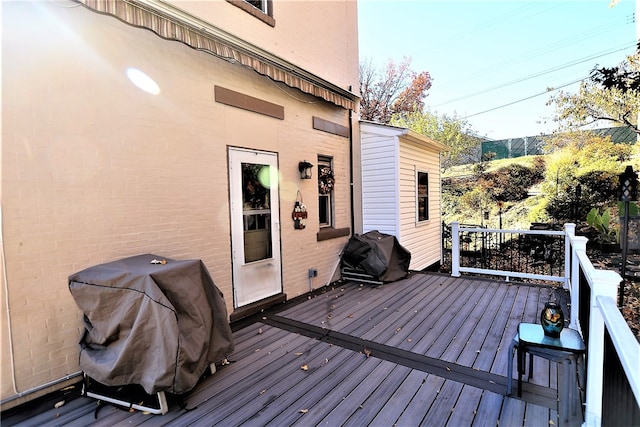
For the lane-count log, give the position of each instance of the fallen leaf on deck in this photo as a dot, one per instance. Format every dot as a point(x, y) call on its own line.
point(303, 411)
point(551, 423)
point(448, 368)
point(59, 404)
point(304, 367)
point(263, 391)
point(367, 352)
point(297, 354)
point(260, 331)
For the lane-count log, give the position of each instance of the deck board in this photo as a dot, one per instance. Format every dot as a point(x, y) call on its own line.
point(422, 401)
point(466, 407)
point(438, 357)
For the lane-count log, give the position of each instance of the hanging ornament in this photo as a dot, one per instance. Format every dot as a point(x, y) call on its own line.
point(299, 214)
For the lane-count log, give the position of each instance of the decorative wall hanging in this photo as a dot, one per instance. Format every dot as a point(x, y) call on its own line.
point(299, 214)
point(326, 180)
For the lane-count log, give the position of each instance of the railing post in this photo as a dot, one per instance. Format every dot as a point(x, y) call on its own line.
point(570, 232)
point(455, 249)
point(604, 283)
point(578, 244)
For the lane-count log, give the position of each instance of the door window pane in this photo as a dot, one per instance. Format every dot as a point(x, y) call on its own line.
point(256, 211)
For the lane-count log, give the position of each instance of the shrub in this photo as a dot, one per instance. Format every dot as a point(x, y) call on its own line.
point(512, 183)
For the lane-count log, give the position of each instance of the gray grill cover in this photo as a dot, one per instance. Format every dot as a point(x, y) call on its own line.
point(158, 326)
point(377, 254)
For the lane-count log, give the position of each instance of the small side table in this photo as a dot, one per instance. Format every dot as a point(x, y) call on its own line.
point(567, 348)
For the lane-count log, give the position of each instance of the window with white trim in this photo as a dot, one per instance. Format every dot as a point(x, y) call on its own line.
point(422, 196)
point(325, 191)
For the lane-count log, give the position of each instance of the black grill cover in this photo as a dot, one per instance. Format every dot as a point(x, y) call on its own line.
point(377, 254)
point(154, 325)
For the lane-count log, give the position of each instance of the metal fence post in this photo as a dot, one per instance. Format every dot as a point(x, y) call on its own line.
point(455, 249)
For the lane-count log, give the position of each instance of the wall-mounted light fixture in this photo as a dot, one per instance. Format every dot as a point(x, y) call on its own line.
point(305, 169)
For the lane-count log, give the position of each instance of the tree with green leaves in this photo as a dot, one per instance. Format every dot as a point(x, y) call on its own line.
point(610, 95)
point(396, 89)
point(454, 132)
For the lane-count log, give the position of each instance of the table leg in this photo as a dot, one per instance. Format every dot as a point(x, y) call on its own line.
point(521, 353)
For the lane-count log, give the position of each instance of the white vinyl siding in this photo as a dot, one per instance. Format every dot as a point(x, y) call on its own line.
point(380, 184)
point(391, 159)
point(423, 239)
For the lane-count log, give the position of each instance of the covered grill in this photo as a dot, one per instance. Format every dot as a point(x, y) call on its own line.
point(151, 321)
point(375, 257)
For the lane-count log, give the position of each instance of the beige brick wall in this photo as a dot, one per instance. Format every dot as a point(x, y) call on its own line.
point(321, 36)
point(94, 169)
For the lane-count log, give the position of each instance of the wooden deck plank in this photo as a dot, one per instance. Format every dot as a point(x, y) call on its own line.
point(488, 412)
point(512, 412)
point(426, 323)
point(444, 404)
point(422, 402)
point(503, 334)
point(445, 316)
point(393, 300)
point(379, 398)
point(466, 407)
point(313, 397)
point(249, 394)
point(396, 313)
point(536, 415)
point(421, 328)
point(336, 395)
point(478, 345)
point(451, 322)
point(414, 321)
point(56, 416)
point(396, 405)
point(465, 345)
point(322, 374)
point(358, 396)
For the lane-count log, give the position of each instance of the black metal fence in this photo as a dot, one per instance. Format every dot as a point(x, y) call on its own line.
point(619, 406)
point(534, 254)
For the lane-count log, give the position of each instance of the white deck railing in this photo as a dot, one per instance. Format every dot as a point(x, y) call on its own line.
point(604, 313)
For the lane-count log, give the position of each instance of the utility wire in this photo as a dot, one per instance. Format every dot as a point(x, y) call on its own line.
point(525, 99)
point(544, 50)
point(541, 73)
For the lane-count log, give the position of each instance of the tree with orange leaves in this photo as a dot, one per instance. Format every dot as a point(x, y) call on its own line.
point(398, 90)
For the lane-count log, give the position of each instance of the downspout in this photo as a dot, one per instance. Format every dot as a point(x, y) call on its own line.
point(351, 166)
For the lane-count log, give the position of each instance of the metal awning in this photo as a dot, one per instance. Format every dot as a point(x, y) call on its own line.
point(172, 23)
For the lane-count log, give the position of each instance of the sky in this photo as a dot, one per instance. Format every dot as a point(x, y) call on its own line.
point(492, 61)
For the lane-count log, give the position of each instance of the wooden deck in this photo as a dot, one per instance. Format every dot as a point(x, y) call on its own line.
point(429, 350)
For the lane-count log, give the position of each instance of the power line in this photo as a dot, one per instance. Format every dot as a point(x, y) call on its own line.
point(541, 73)
point(525, 99)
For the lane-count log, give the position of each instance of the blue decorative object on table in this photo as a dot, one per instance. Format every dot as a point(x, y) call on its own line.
point(552, 319)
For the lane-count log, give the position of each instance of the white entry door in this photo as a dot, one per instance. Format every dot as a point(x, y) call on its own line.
point(255, 225)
